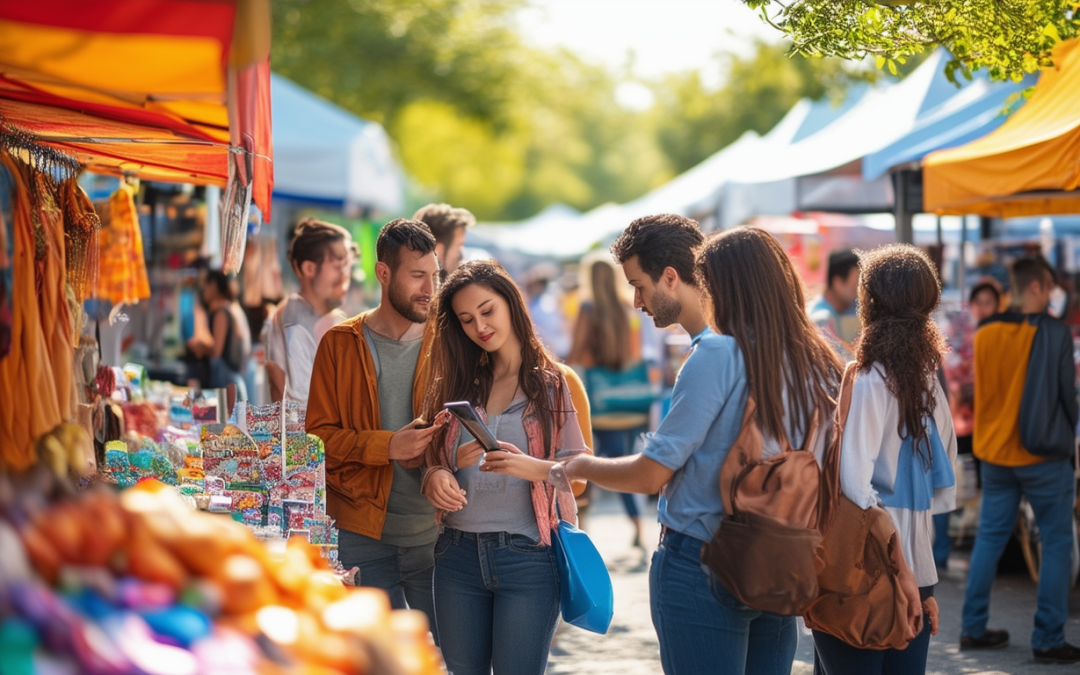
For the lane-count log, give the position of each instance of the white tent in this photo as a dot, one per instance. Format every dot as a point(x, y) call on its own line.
point(823, 171)
point(326, 155)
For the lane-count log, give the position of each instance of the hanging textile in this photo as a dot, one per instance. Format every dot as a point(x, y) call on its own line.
point(81, 228)
point(122, 275)
point(6, 240)
point(36, 379)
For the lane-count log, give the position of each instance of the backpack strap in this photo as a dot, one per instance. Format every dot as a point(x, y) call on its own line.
point(830, 469)
point(745, 450)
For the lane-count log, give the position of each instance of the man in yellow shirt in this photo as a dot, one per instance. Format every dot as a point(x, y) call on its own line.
point(1025, 378)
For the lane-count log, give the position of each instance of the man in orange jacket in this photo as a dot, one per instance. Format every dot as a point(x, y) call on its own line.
point(1025, 379)
point(367, 388)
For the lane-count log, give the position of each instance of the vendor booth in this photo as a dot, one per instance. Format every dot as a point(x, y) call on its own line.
point(147, 528)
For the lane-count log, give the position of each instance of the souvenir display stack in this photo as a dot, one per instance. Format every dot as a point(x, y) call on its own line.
point(261, 466)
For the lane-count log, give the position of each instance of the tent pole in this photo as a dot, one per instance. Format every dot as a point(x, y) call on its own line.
point(961, 274)
point(901, 211)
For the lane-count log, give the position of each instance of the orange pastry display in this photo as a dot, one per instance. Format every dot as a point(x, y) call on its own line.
point(146, 574)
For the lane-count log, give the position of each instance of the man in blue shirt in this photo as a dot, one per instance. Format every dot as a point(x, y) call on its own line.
point(683, 457)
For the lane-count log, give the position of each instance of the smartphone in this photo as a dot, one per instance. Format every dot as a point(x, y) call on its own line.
point(467, 415)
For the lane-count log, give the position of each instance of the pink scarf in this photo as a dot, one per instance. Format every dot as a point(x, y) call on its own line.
point(544, 496)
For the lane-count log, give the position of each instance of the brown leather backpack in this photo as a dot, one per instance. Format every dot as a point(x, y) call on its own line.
point(860, 601)
point(765, 548)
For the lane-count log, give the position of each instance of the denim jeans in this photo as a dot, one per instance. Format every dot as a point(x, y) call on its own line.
point(402, 571)
point(1049, 488)
point(836, 657)
point(942, 543)
point(619, 443)
point(703, 629)
point(496, 602)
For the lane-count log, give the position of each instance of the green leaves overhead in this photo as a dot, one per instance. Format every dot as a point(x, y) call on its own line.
point(1009, 38)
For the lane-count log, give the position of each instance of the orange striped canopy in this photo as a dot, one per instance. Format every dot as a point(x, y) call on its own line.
point(165, 89)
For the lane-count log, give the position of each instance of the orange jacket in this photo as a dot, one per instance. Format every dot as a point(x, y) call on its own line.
point(343, 410)
point(1002, 350)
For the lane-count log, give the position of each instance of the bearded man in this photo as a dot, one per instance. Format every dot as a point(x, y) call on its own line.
point(367, 388)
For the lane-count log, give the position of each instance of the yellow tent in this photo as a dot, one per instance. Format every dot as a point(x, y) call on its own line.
point(1029, 166)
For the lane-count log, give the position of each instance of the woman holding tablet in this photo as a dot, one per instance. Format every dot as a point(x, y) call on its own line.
point(496, 584)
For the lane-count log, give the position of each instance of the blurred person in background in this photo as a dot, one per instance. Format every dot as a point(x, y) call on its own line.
point(984, 301)
point(1023, 356)
point(225, 345)
point(448, 225)
point(834, 311)
point(607, 335)
point(545, 308)
point(322, 255)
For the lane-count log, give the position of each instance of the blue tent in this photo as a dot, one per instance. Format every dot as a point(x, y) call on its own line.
point(948, 128)
point(326, 155)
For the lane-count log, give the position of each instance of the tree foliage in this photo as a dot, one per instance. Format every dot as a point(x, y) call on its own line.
point(1009, 38)
point(484, 120)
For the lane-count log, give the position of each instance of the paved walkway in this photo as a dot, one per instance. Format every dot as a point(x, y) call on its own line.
point(631, 648)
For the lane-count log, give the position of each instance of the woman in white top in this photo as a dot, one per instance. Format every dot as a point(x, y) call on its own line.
point(882, 461)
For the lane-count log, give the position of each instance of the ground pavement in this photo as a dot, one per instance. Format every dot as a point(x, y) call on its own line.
point(630, 647)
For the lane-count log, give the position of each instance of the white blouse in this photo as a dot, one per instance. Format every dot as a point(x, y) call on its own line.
point(869, 459)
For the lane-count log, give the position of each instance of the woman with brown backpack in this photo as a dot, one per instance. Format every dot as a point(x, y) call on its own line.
point(882, 461)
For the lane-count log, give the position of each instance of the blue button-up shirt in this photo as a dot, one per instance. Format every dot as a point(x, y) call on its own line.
point(707, 405)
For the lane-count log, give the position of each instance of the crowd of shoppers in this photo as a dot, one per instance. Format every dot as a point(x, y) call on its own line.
point(465, 535)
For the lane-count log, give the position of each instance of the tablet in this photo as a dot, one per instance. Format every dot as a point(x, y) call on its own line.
point(467, 415)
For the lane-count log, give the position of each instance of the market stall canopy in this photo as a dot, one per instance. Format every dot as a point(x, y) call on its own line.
point(165, 89)
point(1028, 166)
point(804, 119)
point(950, 128)
point(325, 154)
point(558, 231)
point(823, 171)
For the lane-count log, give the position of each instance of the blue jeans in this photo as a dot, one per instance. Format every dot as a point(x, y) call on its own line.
point(496, 602)
point(836, 657)
point(619, 443)
point(402, 571)
point(703, 629)
point(942, 543)
point(1049, 488)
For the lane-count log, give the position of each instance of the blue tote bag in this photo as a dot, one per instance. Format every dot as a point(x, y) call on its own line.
point(587, 598)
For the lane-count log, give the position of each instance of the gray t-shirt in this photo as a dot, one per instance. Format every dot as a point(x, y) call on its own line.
point(502, 503)
point(410, 517)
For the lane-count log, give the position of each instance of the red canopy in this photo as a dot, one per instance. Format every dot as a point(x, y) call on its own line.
point(166, 89)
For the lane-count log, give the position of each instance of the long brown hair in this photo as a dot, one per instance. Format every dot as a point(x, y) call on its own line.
point(898, 292)
point(609, 339)
point(462, 371)
point(756, 297)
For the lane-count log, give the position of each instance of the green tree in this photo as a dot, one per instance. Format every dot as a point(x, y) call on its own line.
point(375, 57)
point(1007, 37)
